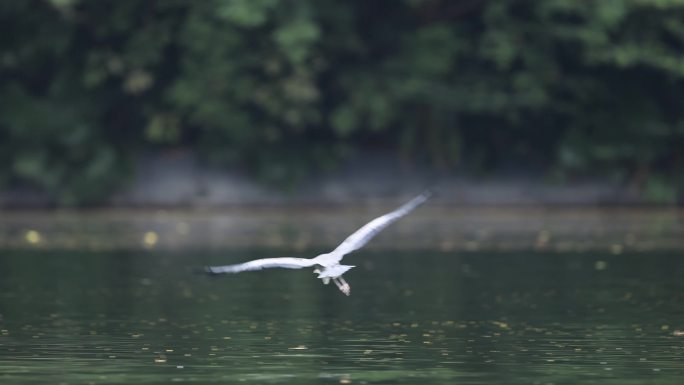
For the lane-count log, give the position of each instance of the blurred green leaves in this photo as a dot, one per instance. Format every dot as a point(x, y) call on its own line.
point(280, 88)
point(246, 13)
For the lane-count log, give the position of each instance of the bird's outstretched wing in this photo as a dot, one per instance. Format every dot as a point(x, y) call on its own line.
point(369, 230)
point(258, 264)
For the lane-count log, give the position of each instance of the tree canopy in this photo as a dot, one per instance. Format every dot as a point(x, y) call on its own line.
point(282, 88)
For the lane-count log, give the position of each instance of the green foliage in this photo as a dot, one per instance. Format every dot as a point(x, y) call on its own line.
point(280, 88)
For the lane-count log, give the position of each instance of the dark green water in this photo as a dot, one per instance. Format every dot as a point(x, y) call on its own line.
point(412, 318)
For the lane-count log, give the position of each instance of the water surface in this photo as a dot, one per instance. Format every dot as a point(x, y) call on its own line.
point(412, 318)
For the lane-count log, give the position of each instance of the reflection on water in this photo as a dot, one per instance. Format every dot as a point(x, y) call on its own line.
point(412, 318)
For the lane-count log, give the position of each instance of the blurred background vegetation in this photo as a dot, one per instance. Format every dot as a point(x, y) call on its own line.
point(285, 88)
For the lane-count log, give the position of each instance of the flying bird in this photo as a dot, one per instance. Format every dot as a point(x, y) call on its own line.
point(328, 265)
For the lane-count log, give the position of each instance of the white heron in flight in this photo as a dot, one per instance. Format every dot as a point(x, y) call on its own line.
point(328, 265)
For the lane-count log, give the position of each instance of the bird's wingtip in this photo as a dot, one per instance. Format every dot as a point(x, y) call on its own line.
point(430, 191)
point(204, 270)
point(424, 195)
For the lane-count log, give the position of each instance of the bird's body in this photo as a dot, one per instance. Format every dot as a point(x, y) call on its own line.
point(334, 271)
point(328, 265)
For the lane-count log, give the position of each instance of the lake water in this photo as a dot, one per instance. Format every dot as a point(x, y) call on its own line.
point(412, 318)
